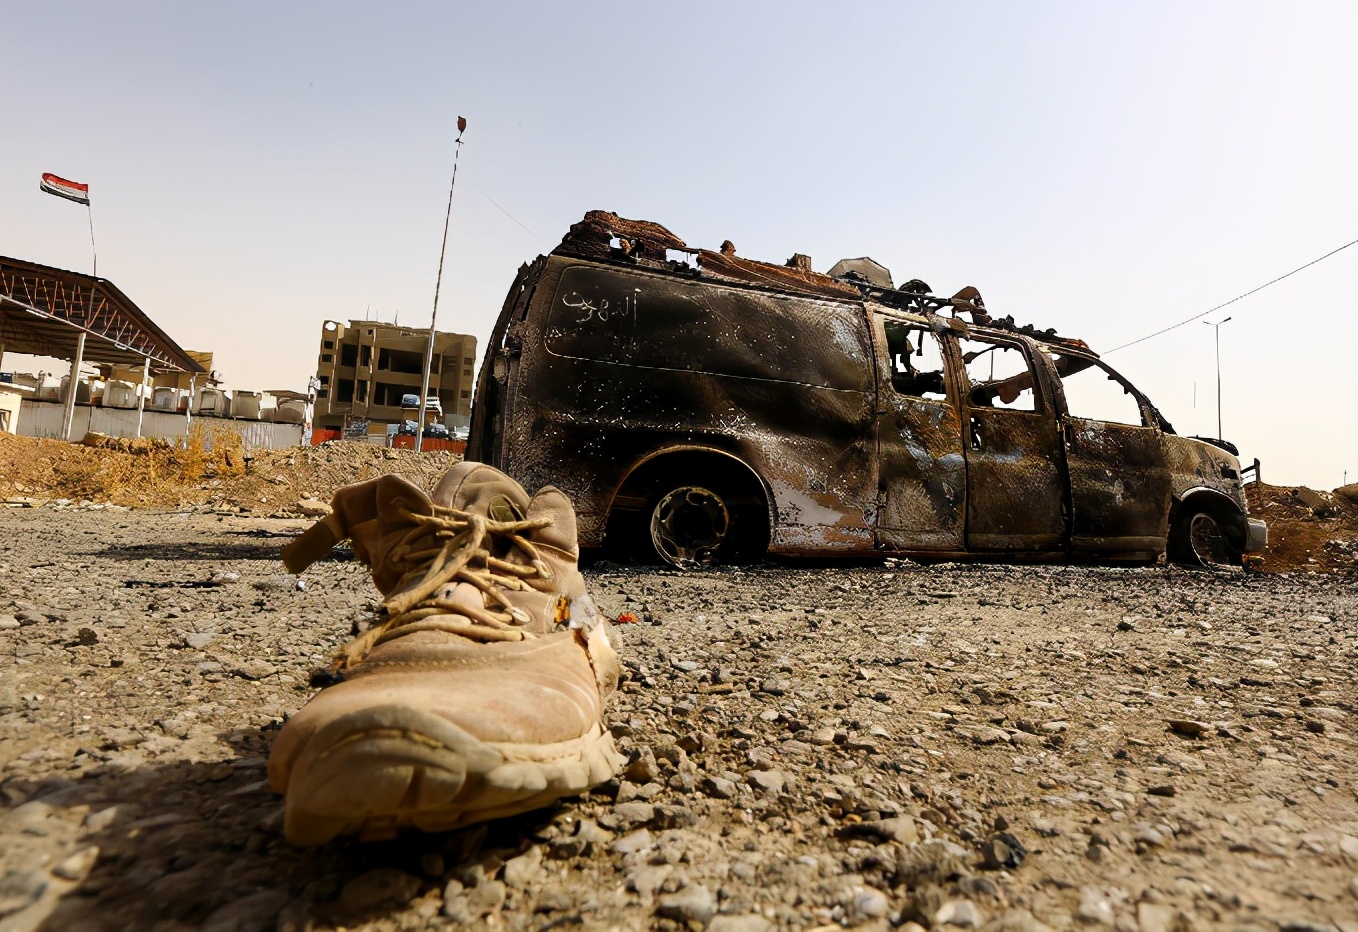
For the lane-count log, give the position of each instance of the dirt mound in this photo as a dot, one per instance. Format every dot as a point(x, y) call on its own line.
point(1308, 531)
point(211, 471)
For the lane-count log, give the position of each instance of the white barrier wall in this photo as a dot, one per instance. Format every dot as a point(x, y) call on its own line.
point(44, 419)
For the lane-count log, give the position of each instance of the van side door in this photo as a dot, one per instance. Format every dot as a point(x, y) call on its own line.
point(1015, 471)
point(1115, 460)
point(921, 468)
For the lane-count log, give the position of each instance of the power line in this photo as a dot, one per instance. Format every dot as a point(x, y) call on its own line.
point(507, 213)
point(1232, 301)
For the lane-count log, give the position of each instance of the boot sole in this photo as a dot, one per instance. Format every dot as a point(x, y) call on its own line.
point(379, 770)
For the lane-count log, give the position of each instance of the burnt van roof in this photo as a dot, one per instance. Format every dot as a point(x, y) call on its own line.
point(603, 236)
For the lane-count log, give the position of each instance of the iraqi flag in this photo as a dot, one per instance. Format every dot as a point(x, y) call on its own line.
point(71, 190)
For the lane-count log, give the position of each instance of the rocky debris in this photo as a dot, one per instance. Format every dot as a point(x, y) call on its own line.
point(311, 508)
point(691, 903)
point(875, 746)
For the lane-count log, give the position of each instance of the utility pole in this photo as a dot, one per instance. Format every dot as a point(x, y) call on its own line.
point(433, 317)
point(1216, 327)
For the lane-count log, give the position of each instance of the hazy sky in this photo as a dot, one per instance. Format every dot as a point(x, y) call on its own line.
point(1106, 169)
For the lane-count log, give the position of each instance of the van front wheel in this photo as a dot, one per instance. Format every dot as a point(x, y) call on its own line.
point(689, 525)
point(1198, 540)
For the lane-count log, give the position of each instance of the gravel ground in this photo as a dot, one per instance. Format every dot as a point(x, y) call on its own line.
point(1009, 748)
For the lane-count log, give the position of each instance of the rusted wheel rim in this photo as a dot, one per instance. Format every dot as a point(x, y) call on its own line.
point(1206, 542)
point(688, 525)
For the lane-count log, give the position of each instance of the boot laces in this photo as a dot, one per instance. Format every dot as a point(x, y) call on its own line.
point(452, 546)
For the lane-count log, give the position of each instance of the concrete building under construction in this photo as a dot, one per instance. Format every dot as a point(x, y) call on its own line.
point(366, 368)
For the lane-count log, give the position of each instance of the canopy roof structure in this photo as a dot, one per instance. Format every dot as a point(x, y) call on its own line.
point(44, 309)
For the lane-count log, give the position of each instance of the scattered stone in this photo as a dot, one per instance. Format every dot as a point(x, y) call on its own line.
point(770, 781)
point(520, 871)
point(720, 788)
point(632, 842)
point(312, 508)
point(200, 640)
point(868, 903)
point(693, 903)
point(254, 670)
point(1094, 908)
point(1145, 835)
point(1187, 727)
point(76, 866)
point(902, 829)
point(749, 922)
point(1155, 917)
point(822, 737)
point(643, 768)
point(960, 913)
point(635, 813)
point(1003, 851)
point(982, 734)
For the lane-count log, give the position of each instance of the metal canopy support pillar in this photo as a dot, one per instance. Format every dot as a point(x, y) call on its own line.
point(141, 396)
point(71, 384)
point(188, 409)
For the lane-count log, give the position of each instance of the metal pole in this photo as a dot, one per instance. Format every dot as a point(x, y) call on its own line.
point(90, 213)
point(433, 317)
point(1216, 327)
point(141, 396)
point(71, 382)
point(1217, 332)
point(188, 409)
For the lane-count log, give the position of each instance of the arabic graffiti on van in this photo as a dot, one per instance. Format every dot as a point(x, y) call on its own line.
point(601, 309)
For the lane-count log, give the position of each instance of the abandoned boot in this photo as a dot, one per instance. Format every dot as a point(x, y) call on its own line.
point(479, 693)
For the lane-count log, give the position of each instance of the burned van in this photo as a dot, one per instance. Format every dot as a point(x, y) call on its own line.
point(701, 407)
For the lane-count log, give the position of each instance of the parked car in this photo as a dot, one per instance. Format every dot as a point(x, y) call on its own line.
point(709, 408)
point(407, 429)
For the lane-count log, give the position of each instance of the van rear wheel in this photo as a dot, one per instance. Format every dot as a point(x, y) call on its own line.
point(689, 525)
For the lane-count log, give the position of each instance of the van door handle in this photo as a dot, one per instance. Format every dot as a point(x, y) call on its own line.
point(975, 433)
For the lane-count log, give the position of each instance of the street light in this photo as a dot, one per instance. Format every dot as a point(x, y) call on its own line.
point(1216, 327)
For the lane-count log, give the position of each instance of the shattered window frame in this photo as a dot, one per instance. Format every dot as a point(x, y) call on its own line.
point(971, 386)
point(1058, 358)
point(896, 330)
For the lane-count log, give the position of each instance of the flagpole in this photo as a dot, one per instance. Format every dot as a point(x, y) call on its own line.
point(89, 211)
point(433, 317)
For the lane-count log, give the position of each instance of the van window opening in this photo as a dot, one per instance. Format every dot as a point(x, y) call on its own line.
point(916, 362)
point(1094, 392)
point(999, 375)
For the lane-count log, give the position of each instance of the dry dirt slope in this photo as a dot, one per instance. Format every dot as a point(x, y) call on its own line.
point(211, 472)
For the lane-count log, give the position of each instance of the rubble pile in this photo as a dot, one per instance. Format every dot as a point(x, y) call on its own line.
point(1308, 531)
